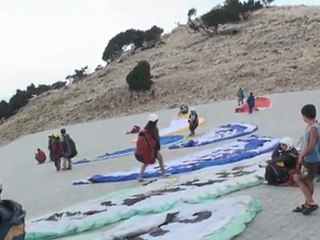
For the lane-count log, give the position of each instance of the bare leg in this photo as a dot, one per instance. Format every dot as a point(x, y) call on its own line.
point(309, 184)
point(142, 170)
point(161, 164)
point(304, 188)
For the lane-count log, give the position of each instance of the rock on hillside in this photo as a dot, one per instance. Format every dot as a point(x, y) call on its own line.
point(277, 50)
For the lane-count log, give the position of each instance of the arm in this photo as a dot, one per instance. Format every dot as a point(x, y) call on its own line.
point(311, 144)
point(157, 138)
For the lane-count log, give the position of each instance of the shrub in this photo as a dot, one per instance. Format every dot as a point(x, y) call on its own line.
point(130, 36)
point(229, 12)
point(139, 79)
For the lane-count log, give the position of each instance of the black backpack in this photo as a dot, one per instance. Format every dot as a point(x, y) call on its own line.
point(275, 174)
point(12, 220)
point(73, 147)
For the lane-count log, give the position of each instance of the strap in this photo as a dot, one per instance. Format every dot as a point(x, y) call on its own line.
point(147, 141)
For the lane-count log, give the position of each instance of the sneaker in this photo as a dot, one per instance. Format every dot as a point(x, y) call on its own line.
point(140, 180)
point(164, 175)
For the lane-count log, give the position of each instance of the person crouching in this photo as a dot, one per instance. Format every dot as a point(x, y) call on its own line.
point(282, 166)
point(148, 147)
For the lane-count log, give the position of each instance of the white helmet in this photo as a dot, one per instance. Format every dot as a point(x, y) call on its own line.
point(287, 141)
point(153, 117)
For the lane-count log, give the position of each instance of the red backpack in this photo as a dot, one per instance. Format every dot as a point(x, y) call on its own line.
point(145, 148)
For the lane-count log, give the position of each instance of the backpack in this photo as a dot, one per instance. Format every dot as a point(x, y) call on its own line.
point(73, 147)
point(145, 148)
point(275, 174)
point(12, 220)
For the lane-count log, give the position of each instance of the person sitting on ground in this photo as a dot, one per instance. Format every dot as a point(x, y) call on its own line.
point(282, 166)
point(134, 130)
point(309, 158)
point(183, 110)
point(12, 219)
point(148, 147)
point(240, 96)
point(40, 156)
point(193, 121)
point(251, 102)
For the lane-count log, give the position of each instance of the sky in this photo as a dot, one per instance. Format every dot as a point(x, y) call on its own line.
point(43, 41)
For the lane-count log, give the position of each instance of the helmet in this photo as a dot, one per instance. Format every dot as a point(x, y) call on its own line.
point(287, 141)
point(56, 135)
point(153, 117)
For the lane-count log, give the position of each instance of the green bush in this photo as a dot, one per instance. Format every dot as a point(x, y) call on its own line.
point(139, 79)
point(22, 97)
point(228, 13)
point(131, 36)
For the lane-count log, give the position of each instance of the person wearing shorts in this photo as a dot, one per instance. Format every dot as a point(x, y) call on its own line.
point(309, 158)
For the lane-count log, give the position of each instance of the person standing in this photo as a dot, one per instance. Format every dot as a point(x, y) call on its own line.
point(309, 158)
point(57, 151)
point(251, 102)
point(193, 121)
point(69, 149)
point(50, 141)
point(240, 96)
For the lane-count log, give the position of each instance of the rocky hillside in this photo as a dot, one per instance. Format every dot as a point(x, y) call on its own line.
point(276, 50)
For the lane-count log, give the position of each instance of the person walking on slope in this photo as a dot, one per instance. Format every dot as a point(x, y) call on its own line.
point(251, 102)
point(193, 121)
point(309, 157)
point(69, 150)
point(240, 96)
point(148, 147)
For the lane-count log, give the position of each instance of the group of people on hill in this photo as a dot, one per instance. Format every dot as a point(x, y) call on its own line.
point(250, 100)
point(288, 166)
point(60, 148)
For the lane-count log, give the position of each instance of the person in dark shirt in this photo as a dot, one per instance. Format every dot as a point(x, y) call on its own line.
point(251, 102)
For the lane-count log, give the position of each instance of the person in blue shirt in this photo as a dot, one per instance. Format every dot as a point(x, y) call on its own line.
point(251, 102)
point(309, 158)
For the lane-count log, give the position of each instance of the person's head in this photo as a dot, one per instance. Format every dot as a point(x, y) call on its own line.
point(251, 94)
point(63, 131)
point(153, 118)
point(192, 110)
point(38, 149)
point(308, 112)
point(152, 121)
point(286, 144)
point(50, 136)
